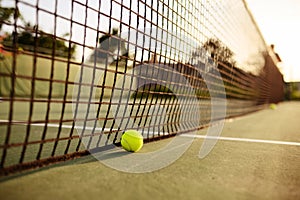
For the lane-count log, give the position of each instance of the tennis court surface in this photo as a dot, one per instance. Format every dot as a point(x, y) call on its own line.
point(257, 157)
point(76, 75)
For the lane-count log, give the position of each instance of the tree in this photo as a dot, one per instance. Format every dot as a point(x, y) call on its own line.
point(111, 47)
point(219, 52)
point(32, 39)
point(7, 13)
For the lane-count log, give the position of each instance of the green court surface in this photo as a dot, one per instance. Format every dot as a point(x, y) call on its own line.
point(257, 157)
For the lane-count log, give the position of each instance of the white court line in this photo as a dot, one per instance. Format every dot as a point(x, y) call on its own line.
point(76, 127)
point(89, 128)
point(242, 139)
point(57, 125)
point(181, 135)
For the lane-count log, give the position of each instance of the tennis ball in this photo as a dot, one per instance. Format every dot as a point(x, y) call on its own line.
point(132, 141)
point(273, 106)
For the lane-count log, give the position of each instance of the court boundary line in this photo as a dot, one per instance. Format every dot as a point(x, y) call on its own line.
point(242, 139)
point(89, 128)
point(222, 138)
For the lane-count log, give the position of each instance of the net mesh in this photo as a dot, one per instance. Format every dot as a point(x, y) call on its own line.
point(74, 74)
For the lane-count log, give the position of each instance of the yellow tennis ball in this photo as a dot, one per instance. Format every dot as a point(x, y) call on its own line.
point(273, 106)
point(132, 141)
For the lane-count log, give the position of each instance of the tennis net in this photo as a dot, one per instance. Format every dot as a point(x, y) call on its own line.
point(80, 70)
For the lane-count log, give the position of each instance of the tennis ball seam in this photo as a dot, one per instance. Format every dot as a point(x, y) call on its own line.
point(129, 147)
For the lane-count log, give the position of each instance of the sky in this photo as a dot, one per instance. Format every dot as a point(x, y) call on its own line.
point(279, 22)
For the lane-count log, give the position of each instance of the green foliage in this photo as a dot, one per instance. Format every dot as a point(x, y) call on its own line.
point(109, 44)
point(295, 92)
point(5, 15)
point(295, 95)
point(32, 39)
point(292, 92)
point(41, 42)
point(219, 52)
